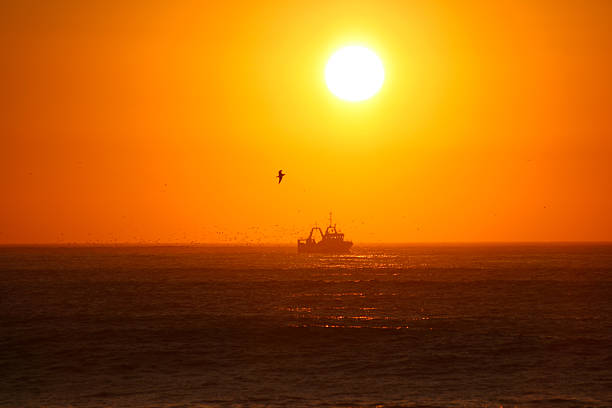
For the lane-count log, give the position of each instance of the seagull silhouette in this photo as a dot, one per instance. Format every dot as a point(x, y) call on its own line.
point(280, 176)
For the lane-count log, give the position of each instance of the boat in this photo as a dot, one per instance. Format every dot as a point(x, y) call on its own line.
point(330, 242)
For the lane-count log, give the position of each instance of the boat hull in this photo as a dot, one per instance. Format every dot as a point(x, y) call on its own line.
point(343, 247)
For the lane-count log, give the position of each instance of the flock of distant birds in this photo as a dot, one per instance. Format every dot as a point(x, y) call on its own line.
point(245, 236)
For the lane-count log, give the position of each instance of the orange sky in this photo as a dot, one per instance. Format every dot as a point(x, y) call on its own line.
point(166, 121)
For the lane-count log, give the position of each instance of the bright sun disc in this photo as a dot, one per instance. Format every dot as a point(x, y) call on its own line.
point(354, 73)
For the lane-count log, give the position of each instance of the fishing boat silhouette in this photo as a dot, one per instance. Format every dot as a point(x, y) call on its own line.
point(331, 242)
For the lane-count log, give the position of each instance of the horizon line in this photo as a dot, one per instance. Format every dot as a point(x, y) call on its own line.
point(285, 244)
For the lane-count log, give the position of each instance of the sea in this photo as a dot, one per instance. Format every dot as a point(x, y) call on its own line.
point(445, 325)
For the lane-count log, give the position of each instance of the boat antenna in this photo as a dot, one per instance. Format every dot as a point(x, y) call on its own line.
point(330, 219)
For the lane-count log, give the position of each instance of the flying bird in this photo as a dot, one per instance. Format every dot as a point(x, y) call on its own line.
point(280, 176)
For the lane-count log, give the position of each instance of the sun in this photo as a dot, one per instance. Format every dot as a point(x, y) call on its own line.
point(354, 73)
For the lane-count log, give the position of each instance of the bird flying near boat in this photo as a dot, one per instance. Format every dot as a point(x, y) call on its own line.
point(280, 176)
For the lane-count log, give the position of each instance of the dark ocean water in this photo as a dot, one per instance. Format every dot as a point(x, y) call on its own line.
point(417, 326)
